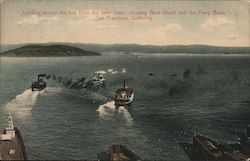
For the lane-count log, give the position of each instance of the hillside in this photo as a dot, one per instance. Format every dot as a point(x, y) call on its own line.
point(194, 49)
point(48, 51)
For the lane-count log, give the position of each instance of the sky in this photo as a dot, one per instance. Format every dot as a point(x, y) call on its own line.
point(154, 22)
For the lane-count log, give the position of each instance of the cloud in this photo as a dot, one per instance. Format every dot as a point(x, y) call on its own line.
point(36, 20)
point(168, 28)
point(232, 37)
point(216, 23)
point(172, 27)
point(107, 27)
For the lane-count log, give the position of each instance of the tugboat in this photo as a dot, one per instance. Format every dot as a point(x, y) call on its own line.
point(207, 146)
point(120, 152)
point(40, 84)
point(124, 96)
point(11, 143)
point(97, 79)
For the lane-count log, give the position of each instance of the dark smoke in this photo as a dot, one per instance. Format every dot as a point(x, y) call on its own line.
point(69, 82)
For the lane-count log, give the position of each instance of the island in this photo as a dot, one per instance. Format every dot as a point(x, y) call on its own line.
point(80, 49)
point(47, 51)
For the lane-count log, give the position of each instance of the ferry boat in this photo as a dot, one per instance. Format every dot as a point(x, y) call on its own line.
point(233, 154)
point(11, 143)
point(124, 96)
point(40, 84)
point(119, 152)
point(97, 79)
point(207, 146)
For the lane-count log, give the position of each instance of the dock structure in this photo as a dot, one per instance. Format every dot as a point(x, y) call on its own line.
point(119, 152)
point(248, 133)
point(11, 143)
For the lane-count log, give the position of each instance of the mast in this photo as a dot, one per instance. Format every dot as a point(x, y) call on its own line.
point(10, 130)
point(124, 84)
point(10, 122)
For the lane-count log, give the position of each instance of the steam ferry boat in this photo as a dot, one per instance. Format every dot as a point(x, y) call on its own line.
point(40, 84)
point(124, 96)
point(11, 143)
point(97, 79)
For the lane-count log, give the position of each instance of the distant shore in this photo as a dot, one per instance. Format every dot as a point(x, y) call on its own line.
point(48, 51)
point(78, 49)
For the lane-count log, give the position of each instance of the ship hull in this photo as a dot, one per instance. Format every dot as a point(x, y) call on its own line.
point(124, 102)
point(120, 152)
point(14, 149)
point(38, 86)
point(200, 147)
point(94, 84)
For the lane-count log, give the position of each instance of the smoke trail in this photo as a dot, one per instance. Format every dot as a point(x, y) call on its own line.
point(69, 82)
point(79, 83)
point(23, 103)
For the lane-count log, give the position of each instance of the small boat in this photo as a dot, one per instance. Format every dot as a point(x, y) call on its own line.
point(97, 79)
point(120, 152)
point(40, 84)
point(187, 73)
point(233, 154)
point(124, 96)
point(110, 70)
point(124, 70)
point(208, 147)
point(11, 143)
point(114, 72)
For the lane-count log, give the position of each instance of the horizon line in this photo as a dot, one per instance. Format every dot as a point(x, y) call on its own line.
point(26, 43)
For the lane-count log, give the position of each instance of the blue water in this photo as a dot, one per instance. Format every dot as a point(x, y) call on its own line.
point(65, 123)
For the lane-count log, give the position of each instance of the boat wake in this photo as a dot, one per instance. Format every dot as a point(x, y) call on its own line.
point(124, 113)
point(108, 110)
point(94, 97)
point(50, 91)
point(23, 103)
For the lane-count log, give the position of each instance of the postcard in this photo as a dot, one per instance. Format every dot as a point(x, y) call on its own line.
point(125, 80)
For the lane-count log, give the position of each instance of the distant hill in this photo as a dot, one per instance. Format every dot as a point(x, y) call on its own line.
point(47, 51)
point(195, 49)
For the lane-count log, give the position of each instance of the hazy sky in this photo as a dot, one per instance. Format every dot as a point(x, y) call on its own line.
point(184, 22)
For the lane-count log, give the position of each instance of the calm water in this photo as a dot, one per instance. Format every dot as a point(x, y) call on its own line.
point(65, 123)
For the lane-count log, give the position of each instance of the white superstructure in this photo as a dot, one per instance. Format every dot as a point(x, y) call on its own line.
point(97, 79)
point(9, 131)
